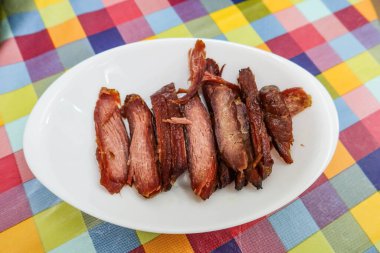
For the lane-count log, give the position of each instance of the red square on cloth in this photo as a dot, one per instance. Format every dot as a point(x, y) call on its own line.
point(206, 242)
point(307, 37)
point(358, 140)
point(124, 11)
point(351, 18)
point(34, 44)
point(284, 45)
point(9, 176)
point(174, 2)
point(97, 21)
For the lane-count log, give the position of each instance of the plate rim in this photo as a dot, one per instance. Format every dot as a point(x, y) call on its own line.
point(53, 90)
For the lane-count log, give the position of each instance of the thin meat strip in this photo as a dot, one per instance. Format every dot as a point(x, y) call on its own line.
point(200, 148)
point(259, 135)
point(170, 136)
point(112, 141)
point(252, 172)
point(226, 125)
point(278, 120)
point(143, 170)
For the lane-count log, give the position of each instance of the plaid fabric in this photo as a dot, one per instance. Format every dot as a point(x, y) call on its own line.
point(338, 41)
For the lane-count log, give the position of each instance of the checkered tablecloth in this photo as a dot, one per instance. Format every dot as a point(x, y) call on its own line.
point(338, 41)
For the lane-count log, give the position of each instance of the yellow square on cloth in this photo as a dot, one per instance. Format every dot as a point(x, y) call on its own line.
point(367, 213)
point(229, 18)
point(341, 78)
point(66, 32)
point(21, 238)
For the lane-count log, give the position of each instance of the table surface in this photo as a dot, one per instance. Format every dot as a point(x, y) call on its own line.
point(338, 41)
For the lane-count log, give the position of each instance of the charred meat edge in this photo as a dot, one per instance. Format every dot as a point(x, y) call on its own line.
point(112, 141)
point(143, 169)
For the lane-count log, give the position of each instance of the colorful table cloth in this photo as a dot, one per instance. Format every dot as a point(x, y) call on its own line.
point(338, 41)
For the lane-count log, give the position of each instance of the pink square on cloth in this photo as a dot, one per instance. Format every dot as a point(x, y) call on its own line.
point(330, 27)
point(291, 18)
point(361, 101)
point(9, 52)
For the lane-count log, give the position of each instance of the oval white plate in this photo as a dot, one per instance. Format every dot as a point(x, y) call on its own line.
point(59, 140)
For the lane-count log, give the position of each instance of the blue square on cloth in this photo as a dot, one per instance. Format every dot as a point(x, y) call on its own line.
point(81, 243)
point(105, 40)
point(336, 5)
point(81, 7)
point(347, 46)
point(221, 37)
point(23, 23)
point(370, 167)
point(345, 115)
point(313, 9)
point(344, 181)
point(13, 77)
point(39, 197)
point(163, 20)
point(268, 27)
point(111, 238)
point(304, 61)
point(15, 132)
point(293, 224)
point(230, 247)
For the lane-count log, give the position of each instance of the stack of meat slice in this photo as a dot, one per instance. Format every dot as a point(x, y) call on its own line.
point(228, 141)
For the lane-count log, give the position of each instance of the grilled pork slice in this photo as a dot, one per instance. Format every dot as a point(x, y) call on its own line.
point(226, 125)
point(278, 120)
point(170, 135)
point(259, 135)
point(200, 148)
point(143, 170)
point(225, 174)
point(112, 141)
point(252, 172)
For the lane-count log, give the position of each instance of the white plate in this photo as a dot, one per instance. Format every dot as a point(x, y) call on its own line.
point(59, 140)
